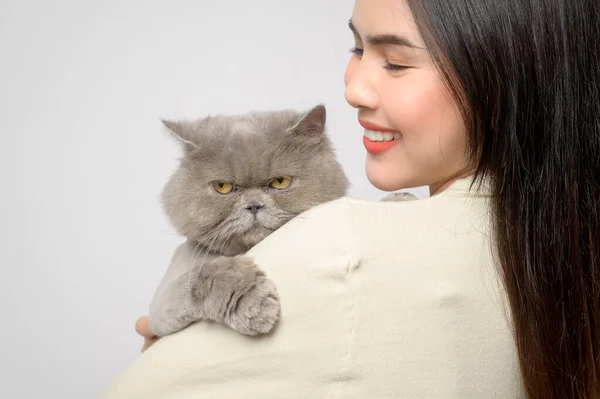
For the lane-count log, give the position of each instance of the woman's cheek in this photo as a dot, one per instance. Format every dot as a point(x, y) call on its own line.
point(412, 107)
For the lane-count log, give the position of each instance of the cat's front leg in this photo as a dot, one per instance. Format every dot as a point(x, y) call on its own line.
point(234, 291)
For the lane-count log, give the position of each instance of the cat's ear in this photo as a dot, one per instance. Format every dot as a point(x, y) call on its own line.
point(181, 132)
point(313, 122)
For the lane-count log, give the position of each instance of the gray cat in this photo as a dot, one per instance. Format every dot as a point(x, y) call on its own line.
point(240, 178)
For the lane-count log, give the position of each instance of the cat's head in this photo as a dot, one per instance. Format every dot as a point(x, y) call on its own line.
point(241, 177)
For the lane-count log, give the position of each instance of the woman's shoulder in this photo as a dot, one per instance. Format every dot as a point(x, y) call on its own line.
point(341, 220)
point(323, 230)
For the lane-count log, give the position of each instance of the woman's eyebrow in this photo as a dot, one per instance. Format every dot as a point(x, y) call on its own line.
point(378, 40)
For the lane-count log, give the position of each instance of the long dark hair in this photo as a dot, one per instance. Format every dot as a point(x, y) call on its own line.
point(526, 74)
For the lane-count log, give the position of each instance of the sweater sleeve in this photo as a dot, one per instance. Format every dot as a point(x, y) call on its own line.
point(309, 260)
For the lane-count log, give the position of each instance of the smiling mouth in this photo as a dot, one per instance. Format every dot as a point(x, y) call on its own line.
point(374, 135)
point(379, 142)
point(378, 139)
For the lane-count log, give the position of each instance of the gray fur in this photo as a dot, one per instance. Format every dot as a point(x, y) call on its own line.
point(398, 197)
point(210, 277)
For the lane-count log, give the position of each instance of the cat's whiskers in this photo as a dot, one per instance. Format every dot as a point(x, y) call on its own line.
point(225, 242)
point(194, 260)
point(220, 239)
point(231, 226)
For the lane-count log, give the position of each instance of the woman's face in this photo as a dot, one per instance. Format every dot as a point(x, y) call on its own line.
point(400, 96)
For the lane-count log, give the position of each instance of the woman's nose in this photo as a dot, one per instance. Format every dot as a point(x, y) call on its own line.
point(360, 90)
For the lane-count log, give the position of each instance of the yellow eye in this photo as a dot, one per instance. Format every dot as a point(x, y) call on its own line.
point(222, 187)
point(280, 182)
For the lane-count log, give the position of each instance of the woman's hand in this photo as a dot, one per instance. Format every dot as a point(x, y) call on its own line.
point(142, 326)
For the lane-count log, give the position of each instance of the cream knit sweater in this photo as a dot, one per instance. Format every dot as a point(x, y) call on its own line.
point(379, 300)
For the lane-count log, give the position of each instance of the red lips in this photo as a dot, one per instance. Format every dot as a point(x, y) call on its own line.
point(377, 128)
point(377, 147)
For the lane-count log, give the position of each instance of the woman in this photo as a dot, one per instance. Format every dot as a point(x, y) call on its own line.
point(491, 287)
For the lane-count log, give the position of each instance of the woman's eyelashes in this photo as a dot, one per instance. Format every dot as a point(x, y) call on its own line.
point(390, 67)
point(395, 67)
point(357, 51)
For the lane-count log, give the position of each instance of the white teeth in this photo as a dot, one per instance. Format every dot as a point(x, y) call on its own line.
point(381, 136)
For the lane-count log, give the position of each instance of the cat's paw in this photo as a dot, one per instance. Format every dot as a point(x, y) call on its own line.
point(236, 292)
point(257, 310)
point(400, 196)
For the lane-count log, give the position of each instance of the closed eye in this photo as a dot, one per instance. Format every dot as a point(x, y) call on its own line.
point(357, 51)
point(395, 67)
point(390, 67)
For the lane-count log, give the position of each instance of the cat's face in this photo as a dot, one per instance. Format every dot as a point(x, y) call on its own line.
point(242, 177)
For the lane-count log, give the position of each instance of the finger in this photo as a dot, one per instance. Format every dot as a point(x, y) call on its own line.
point(148, 342)
point(142, 327)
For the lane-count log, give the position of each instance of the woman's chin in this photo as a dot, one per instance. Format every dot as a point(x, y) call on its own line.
point(385, 179)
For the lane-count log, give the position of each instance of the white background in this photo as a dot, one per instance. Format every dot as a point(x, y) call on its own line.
point(83, 241)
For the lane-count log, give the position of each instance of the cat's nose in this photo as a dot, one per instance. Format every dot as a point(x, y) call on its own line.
point(254, 208)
